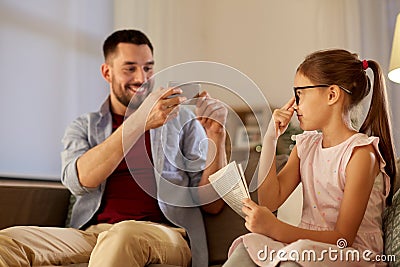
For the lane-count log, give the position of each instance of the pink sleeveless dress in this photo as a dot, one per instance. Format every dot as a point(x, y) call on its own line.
point(323, 178)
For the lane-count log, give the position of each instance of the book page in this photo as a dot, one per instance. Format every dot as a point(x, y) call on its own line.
point(231, 186)
point(244, 180)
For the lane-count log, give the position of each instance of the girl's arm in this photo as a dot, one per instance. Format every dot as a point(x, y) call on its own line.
point(360, 175)
point(275, 189)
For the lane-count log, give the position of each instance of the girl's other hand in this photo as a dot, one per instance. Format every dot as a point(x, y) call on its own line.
point(259, 219)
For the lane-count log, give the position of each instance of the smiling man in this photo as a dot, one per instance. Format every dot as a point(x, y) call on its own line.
point(116, 221)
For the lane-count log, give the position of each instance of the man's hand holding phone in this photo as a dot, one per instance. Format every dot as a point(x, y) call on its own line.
point(160, 106)
point(210, 112)
point(189, 90)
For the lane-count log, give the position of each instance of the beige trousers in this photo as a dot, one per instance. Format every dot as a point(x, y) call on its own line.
point(127, 243)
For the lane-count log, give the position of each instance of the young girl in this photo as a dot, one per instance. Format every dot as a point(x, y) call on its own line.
point(347, 175)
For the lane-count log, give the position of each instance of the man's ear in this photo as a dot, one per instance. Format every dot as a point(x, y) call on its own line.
point(333, 94)
point(105, 72)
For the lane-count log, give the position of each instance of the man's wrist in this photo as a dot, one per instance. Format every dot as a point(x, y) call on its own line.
point(217, 136)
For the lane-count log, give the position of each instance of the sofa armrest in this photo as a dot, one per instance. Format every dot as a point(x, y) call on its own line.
point(32, 202)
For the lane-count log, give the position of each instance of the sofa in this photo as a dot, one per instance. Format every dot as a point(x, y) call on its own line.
point(46, 203)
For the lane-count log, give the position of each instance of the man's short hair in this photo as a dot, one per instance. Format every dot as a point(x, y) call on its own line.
point(124, 36)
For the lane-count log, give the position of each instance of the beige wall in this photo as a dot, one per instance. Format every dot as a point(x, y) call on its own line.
point(264, 39)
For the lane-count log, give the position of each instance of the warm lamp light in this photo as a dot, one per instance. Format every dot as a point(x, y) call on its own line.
point(394, 68)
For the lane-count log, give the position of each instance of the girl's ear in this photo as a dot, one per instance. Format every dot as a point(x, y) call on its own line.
point(333, 94)
point(105, 72)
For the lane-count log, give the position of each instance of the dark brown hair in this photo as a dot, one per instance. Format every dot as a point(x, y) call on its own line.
point(340, 67)
point(124, 36)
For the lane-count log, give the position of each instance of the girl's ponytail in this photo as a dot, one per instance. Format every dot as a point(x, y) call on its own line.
point(377, 123)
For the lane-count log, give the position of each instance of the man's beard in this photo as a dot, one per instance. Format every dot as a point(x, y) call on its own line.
point(132, 102)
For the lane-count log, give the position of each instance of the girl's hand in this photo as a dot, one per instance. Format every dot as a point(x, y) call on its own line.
point(259, 219)
point(283, 116)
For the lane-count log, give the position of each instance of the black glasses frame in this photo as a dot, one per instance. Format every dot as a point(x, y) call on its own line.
point(315, 86)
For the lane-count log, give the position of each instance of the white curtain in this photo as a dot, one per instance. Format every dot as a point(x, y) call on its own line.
point(50, 55)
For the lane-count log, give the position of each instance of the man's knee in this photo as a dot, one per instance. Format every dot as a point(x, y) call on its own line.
point(10, 237)
point(12, 231)
point(12, 253)
point(144, 235)
point(130, 233)
point(126, 227)
point(145, 242)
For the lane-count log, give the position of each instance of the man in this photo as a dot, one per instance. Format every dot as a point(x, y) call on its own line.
point(121, 223)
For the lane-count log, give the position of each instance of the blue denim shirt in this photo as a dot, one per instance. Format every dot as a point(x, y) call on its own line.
point(181, 138)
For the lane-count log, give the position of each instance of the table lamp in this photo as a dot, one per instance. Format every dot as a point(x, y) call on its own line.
point(394, 67)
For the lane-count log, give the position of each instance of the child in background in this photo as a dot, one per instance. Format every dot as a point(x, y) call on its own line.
point(347, 175)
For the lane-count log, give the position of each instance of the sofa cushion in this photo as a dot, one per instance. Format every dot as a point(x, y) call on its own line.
point(391, 228)
point(397, 181)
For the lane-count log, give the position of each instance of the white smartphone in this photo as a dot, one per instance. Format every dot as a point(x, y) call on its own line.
point(189, 90)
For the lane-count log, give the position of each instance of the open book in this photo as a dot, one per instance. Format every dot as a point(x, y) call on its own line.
point(230, 184)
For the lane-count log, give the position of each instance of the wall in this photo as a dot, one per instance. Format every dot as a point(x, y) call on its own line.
point(264, 39)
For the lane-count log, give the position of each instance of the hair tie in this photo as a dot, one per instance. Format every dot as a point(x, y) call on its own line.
point(365, 64)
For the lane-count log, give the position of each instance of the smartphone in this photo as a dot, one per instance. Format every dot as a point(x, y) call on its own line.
point(189, 90)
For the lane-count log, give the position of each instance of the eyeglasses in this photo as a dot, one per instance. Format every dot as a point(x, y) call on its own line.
point(315, 86)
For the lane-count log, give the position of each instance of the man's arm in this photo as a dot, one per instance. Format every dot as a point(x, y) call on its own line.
point(212, 115)
point(99, 162)
point(216, 159)
point(96, 164)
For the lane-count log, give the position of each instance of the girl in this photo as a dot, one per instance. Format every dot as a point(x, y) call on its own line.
point(346, 174)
